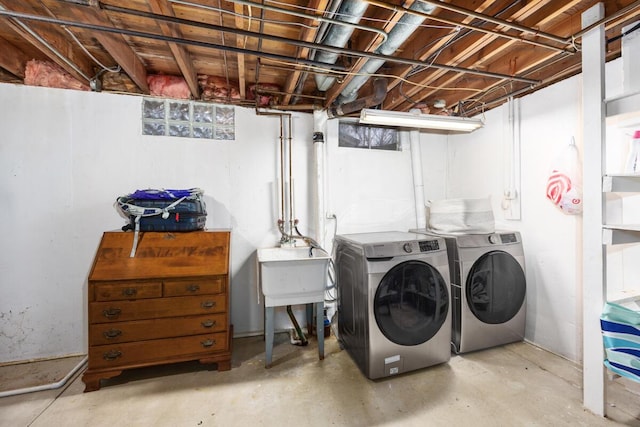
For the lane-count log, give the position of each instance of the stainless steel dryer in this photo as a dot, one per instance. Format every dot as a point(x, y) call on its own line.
point(488, 289)
point(393, 301)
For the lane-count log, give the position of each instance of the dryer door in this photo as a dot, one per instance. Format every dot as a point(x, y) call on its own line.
point(411, 303)
point(496, 287)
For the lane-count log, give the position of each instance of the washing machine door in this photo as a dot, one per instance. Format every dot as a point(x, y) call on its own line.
point(411, 303)
point(496, 287)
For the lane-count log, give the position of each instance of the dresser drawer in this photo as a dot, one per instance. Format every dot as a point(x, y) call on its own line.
point(174, 288)
point(115, 291)
point(135, 353)
point(139, 330)
point(119, 311)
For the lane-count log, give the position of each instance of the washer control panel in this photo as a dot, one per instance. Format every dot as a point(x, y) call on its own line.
point(509, 238)
point(392, 249)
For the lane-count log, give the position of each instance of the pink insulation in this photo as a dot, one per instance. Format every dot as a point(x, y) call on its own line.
point(216, 88)
point(168, 86)
point(49, 74)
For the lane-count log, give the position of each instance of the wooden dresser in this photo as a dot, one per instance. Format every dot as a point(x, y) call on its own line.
point(169, 303)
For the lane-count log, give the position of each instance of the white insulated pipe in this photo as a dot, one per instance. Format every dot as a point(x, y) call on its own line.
point(418, 184)
point(320, 118)
point(50, 386)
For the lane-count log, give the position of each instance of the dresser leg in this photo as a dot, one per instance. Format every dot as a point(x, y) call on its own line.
point(224, 365)
point(92, 380)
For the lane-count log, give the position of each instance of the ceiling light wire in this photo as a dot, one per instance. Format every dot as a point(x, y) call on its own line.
point(115, 69)
point(224, 53)
point(46, 43)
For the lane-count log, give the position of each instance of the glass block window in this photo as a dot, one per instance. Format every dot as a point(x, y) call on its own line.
point(188, 119)
point(351, 134)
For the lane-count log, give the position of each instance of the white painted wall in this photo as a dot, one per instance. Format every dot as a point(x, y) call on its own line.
point(549, 118)
point(551, 239)
point(66, 155)
point(372, 190)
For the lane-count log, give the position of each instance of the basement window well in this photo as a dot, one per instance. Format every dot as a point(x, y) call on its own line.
point(187, 119)
point(354, 135)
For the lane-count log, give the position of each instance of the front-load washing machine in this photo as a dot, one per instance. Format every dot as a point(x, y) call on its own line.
point(488, 289)
point(393, 301)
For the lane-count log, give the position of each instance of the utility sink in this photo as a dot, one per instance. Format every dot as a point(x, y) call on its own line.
point(292, 275)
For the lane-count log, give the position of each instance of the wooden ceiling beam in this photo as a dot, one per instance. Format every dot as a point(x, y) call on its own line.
point(12, 59)
point(240, 42)
point(509, 57)
point(370, 44)
point(397, 96)
point(114, 44)
point(545, 15)
point(308, 35)
point(52, 41)
point(180, 52)
point(458, 55)
point(442, 38)
point(512, 58)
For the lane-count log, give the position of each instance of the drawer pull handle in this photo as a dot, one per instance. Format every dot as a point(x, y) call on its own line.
point(209, 323)
point(193, 288)
point(129, 292)
point(208, 343)
point(208, 304)
point(112, 355)
point(112, 333)
point(112, 313)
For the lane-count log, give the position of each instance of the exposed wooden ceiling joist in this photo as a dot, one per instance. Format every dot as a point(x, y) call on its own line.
point(180, 52)
point(467, 53)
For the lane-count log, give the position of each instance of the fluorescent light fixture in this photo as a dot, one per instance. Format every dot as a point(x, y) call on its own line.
point(418, 120)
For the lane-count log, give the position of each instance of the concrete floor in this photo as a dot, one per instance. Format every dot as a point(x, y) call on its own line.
point(513, 385)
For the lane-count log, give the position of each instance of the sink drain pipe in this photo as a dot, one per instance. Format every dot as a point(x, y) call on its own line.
point(301, 339)
point(51, 386)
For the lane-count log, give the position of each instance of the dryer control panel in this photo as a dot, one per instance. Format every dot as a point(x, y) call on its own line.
point(429, 245)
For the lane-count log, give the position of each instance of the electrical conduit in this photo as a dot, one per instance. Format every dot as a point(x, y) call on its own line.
point(319, 130)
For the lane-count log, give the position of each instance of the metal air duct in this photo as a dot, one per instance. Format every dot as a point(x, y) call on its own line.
point(338, 36)
point(376, 98)
point(406, 26)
